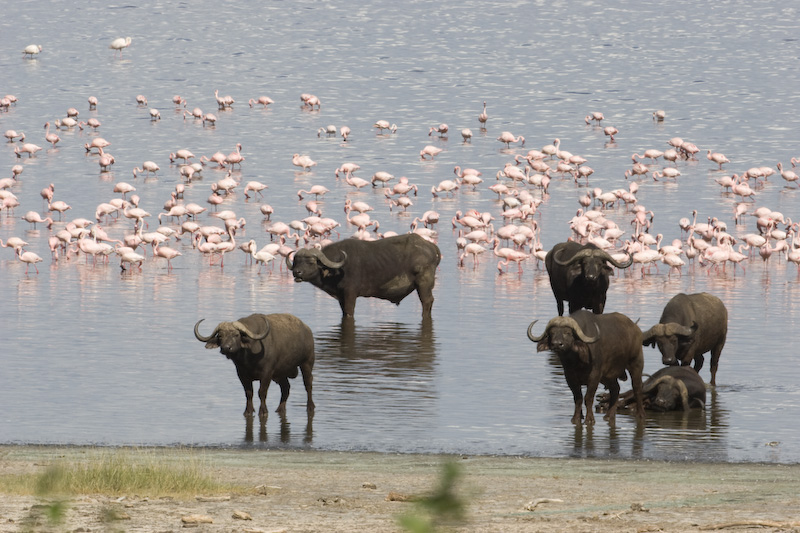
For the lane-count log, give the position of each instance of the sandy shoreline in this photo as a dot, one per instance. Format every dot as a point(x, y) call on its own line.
point(350, 491)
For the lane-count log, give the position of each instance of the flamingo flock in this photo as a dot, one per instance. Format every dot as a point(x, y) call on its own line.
point(614, 219)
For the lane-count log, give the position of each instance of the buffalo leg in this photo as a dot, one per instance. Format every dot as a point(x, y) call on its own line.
point(635, 371)
point(284, 385)
point(591, 389)
point(247, 384)
point(347, 302)
point(715, 353)
point(577, 396)
point(698, 362)
point(262, 395)
point(425, 285)
point(308, 381)
point(613, 396)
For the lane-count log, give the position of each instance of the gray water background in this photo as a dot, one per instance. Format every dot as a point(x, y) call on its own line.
point(90, 355)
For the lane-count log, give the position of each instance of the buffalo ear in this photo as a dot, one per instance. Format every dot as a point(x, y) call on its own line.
point(212, 344)
point(543, 345)
point(651, 342)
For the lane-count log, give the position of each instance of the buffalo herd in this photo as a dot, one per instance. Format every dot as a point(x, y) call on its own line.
point(593, 348)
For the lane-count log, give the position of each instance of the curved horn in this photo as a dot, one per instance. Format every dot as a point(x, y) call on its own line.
point(322, 258)
point(289, 261)
point(200, 337)
point(674, 328)
point(607, 257)
point(569, 322)
point(653, 383)
point(684, 394)
point(655, 331)
point(248, 332)
point(578, 255)
point(530, 333)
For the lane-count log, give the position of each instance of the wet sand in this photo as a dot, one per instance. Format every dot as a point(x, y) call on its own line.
point(332, 491)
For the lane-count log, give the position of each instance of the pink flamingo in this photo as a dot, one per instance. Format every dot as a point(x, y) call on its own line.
point(610, 131)
point(15, 243)
point(35, 218)
point(651, 153)
point(166, 252)
point(218, 158)
point(27, 148)
point(717, 158)
point(361, 207)
point(446, 186)
point(261, 100)
point(431, 151)
point(441, 129)
point(12, 134)
point(119, 44)
point(347, 168)
point(183, 154)
point(303, 161)
point(52, 138)
point(483, 117)
point(344, 131)
point(30, 258)
point(47, 192)
point(473, 249)
point(384, 125)
point(356, 182)
point(316, 190)
point(148, 167)
point(235, 158)
point(97, 142)
point(787, 175)
point(59, 206)
point(595, 116)
point(507, 137)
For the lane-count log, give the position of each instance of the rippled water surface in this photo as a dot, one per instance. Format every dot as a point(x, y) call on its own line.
point(93, 355)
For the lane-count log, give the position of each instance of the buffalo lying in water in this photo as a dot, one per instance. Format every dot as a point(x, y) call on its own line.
point(672, 388)
point(389, 269)
point(265, 348)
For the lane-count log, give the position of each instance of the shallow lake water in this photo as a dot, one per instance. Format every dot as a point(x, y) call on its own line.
point(94, 355)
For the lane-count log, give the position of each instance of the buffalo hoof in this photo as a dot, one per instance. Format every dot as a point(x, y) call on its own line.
point(281, 408)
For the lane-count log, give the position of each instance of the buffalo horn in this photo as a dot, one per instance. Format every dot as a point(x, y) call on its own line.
point(289, 261)
point(655, 331)
point(586, 252)
point(672, 382)
point(530, 333)
point(653, 383)
point(200, 337)
point(607, 257)
point(322, 258)
point(564, 321)
point(244, 329)
point(674, 328)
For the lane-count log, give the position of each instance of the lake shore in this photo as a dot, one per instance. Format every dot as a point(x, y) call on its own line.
point(291, 491)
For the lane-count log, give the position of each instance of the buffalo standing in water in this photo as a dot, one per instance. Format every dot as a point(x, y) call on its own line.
point(579, 274)
point(266, 348)
point(389, 269)
point(595, 349)
point(690, 325)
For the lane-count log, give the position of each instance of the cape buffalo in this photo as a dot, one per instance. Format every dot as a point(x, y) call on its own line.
point(265, 348)
point(579, 274)
point(595, 349)
point(672, 388)
point(690, 325)
point(388, 268)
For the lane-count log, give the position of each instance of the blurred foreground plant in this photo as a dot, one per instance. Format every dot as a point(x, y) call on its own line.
point(441, 507)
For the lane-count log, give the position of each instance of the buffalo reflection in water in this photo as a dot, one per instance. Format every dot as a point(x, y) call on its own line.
point(381, 365)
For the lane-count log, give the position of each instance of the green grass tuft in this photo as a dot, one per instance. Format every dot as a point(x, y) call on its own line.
point(120, 472)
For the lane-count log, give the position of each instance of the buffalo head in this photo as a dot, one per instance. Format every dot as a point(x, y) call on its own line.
point(671, 338)
point(590, 263)
point(563, 335)
point(230, 337)
point(310, 264)
point(670, 393)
